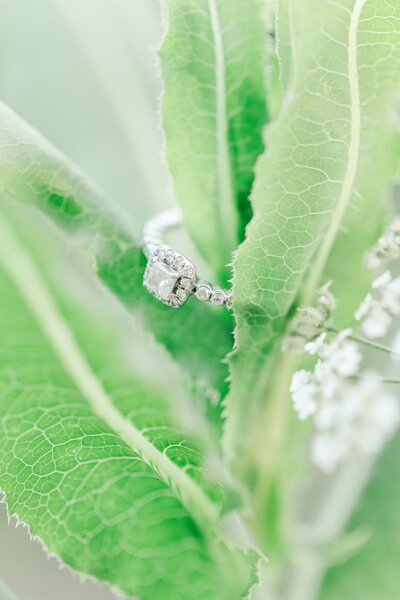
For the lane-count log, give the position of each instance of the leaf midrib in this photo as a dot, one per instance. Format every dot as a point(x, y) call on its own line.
point(316, 272)
point(225, 204)
point(32, 287)
point(324, 251)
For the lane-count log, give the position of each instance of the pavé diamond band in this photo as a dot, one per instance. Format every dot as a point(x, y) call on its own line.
point(170, 276)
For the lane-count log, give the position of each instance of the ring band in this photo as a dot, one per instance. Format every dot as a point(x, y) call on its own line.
point(169, 276)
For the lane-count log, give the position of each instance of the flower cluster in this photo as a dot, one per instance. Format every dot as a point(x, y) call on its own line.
point(352, 412)
point(310, 321)
point(387, 248)
point(377, 312)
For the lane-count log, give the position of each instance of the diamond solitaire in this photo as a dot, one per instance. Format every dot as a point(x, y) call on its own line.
point(166, 276)
point(160, 280)
point(170, 276)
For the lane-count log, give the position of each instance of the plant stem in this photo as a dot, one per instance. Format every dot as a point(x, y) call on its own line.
point(303, 579)
point(391, 380)
point(306, 570)
point(269, 439)
point(365, 342)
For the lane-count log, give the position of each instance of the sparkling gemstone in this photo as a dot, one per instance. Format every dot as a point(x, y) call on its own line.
point(218, 297)
point(188, 271)
point(169, 256)
point(181, 294)
point(185, 283)
point(160, 280)
point(203, 292)
point(174, 302)
point(179, 262)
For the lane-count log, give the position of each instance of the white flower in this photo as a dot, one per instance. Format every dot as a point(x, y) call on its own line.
point(351, 415)
point(359, 419)
point(377, 416)
point(377, 313)
point(337, 359)
point(325, 452)
point(364, 308)
point(345, 359)
point(377, 323)
point(327, 416)
point(304, 390)
point(330, 383)
point(341, 356)
point(325, 298)
point(316, 346)
point(310, 321)
point(382, 280)
point(387, 248)
point(372, 261)
point(391, 296)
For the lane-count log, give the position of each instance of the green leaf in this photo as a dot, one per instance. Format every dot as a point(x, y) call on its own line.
point(363, 223)
point(373, 572)
point(285, 46)
point(33, 172)
point(213, 111)
point(316, 165)
point(93, 458)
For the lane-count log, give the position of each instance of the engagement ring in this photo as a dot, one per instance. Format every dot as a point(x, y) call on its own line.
point(170, 276)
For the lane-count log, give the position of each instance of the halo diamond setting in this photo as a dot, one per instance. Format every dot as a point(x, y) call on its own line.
point(169, 276)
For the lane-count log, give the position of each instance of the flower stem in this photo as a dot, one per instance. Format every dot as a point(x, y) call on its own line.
point(269, 440)
point(365, 342)
point(394, 380)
